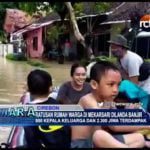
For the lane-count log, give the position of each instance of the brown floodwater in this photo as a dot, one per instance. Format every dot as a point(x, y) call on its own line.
point(13, 77)
point(13, 82)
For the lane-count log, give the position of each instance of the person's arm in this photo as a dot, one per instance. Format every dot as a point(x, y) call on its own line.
point(62, 95)
point(133, 70)
point(134, 79)
point(127, 128)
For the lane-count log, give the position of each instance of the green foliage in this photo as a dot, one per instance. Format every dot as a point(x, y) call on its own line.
point(32, 7)
point(2, 36)
point(53, 33)
point(93, 7)
point(147, 60)
point(3, 7)
point(78, 7)
point(111, 59)
point(36, 63)
point(102, 7)
point(60, 8)
point(29, 7)
point(16, 57)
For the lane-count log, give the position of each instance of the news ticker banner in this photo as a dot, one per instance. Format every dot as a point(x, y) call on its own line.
point(33, 115)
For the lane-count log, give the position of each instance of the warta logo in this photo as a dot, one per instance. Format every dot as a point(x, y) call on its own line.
point(145, 21)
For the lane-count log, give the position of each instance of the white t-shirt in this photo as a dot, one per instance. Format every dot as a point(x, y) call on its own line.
point(131, 63)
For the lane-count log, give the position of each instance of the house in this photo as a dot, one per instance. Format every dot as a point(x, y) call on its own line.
point(35, 34)
point(90, 25)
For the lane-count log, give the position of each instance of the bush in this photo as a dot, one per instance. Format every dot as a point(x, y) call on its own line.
point(147, 60)
point(101, 58)
point(37, 63)
point(16, 57)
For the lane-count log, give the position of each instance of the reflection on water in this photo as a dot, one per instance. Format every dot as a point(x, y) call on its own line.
point(13, 78)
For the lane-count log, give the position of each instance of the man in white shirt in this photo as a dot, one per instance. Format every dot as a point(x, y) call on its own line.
point(129, 61)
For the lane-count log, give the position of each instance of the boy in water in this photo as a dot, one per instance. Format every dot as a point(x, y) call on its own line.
point(105, 79)
point(39, 84)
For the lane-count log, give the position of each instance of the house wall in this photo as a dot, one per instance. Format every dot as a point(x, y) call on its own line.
point(32, 51)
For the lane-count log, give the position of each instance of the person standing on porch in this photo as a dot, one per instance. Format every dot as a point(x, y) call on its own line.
point(67, 48)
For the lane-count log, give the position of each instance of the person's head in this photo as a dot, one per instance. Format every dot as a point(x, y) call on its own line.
point(105, 79)
point(144, 71)
point(78, 73)
point(118, 46)
point(39, 82)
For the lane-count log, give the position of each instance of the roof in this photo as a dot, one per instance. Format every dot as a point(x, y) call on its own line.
point(52, 17)
point(47, 21)
point(115, 22)
point(89, 7)
point(126, 9)
point(33, 27)
point(93, 15)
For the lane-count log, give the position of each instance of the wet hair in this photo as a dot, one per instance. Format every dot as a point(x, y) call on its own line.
point(74, 67)
point(99, 69)
point(39, 82)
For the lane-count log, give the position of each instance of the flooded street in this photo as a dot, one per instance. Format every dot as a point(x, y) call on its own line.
point(13, 82)
point(13, 78)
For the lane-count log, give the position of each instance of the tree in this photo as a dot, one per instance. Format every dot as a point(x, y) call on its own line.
point(77, 33)
point(35, 7)
point(65, 9)
point(86, 42)
point(3, 6)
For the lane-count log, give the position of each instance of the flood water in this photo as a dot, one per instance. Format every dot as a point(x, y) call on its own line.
point(13, 78)
point(13, 82)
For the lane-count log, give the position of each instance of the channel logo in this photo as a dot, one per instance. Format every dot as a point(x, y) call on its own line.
point(145, 21)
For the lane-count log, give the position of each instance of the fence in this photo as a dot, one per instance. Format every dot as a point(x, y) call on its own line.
point(6, 49)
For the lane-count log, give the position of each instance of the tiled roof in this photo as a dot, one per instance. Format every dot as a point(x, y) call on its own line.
point(127, 8)
point(88, 7)
point(51, 16)
point(54, 16)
